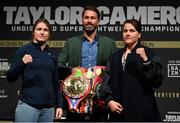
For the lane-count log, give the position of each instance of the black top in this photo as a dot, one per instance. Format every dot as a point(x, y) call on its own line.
point(133, 86)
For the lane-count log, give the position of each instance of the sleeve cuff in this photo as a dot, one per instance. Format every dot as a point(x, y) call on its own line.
point(146, 63)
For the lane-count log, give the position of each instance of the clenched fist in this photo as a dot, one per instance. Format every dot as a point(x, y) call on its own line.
point(27, 58)
point(141, 52)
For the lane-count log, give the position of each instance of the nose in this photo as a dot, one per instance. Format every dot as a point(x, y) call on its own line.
point(127, 33)
point(89, 20)
point(42, 31)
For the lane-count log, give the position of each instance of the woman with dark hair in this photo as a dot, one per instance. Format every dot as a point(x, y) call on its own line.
point(131, 75)
point(37, 65)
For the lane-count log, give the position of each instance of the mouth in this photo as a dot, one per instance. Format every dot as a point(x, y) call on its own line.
point(89, 27)
point(128, 38)
point(89, 24)
point(41, 36)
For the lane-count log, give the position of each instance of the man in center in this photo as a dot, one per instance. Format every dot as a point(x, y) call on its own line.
point(86, 50)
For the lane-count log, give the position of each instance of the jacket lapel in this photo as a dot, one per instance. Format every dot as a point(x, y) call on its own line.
point(78, 46)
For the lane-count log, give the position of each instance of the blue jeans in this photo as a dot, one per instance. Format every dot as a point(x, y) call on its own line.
point(27, 113)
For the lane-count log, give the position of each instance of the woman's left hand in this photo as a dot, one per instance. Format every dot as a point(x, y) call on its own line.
point(141, 52)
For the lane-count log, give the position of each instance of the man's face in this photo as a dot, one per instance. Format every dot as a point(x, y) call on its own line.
point(90, 21)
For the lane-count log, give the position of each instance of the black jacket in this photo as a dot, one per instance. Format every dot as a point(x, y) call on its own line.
point(133, 86)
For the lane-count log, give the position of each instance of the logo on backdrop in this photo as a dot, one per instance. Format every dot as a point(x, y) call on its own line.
point(172, 116)
point(68, 18)
point(173, 67)
point(4, 67)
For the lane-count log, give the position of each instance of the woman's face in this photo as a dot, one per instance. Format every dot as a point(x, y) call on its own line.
point(41, 32)
point(130, 34)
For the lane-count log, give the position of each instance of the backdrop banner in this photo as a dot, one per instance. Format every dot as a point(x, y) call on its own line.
point(160, 31)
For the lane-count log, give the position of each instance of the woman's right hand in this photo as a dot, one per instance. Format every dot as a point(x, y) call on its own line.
point(115, 106)
point(27, 58)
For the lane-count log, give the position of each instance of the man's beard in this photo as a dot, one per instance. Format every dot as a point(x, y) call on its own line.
point(89, 29)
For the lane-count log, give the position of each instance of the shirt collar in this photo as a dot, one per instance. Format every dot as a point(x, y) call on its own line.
point(138, 45)
point(95, 39)
point(37, 45)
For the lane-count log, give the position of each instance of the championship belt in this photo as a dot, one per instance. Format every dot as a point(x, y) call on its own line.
point(75, 88)
point(79, 88)
point(95, 75)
